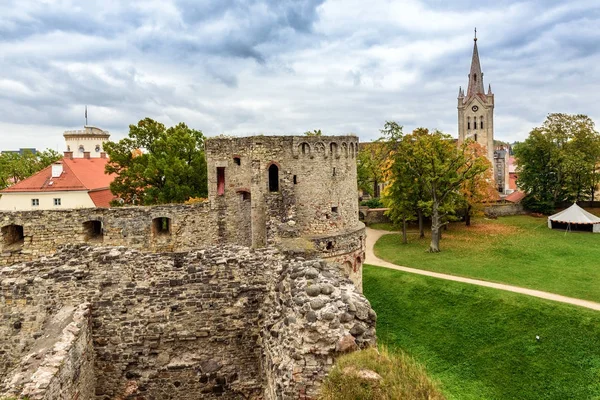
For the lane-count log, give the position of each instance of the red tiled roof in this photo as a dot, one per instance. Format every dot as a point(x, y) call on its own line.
point(102, 198)
point(515, 197)
point(78, 174)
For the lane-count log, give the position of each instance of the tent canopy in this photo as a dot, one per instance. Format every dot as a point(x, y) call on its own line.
point(574, 215)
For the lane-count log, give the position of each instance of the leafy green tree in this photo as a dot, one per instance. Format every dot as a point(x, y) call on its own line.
point(405, 195)
point(436, 164)
point(370, 167)
point(157, 165)
point(374, 158)
point(15, 167)
point(558, 162)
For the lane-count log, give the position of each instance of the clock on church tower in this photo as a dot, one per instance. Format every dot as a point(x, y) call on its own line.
point(476, 108)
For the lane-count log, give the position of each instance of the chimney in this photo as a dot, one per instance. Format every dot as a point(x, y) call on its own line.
point(69, 155)
point(86, 155)
point(57, 169)
point(102, 155)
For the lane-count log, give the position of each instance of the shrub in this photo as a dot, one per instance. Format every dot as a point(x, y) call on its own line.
point(531, 203)
point(401, 378)
point(372, 203)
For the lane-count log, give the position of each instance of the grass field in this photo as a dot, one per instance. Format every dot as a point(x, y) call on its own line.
point(480, 343)
point(517, 250)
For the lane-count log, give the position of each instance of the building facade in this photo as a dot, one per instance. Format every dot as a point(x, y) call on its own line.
point(89, 140)
point(76, 181)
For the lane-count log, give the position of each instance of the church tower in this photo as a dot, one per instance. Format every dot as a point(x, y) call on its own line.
point(476, 109)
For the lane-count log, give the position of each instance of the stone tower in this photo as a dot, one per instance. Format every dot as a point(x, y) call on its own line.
point(476, 109)
point(286, 190)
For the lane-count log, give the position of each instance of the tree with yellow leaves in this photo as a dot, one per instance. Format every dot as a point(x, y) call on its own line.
point(433, 163)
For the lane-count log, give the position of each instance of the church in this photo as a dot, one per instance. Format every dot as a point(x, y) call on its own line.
point(476, 120)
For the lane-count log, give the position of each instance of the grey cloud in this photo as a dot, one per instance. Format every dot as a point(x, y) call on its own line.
point(268, 66)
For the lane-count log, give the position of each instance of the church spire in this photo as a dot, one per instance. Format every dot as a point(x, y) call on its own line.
point(475, 76)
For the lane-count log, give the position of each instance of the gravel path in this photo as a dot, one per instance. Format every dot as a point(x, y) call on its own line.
point(373, 235)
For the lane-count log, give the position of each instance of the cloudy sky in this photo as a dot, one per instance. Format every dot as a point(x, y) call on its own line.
point(241, 67)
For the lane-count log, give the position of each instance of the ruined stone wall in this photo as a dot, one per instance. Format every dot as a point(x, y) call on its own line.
point(189, 227)
point(316, 181)
point(346, 249)
point(168, 326)
point(313, 316)
point(503, 210)
point(60, 364)
point(376, 216)
point(212, 323)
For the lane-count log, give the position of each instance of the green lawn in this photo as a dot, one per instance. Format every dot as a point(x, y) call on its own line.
point(517, 250)
point(480, 343)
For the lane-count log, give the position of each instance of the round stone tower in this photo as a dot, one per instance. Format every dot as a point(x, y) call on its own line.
point(296, 190)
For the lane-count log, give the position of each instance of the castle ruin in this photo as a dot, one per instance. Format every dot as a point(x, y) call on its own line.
point(250, 294)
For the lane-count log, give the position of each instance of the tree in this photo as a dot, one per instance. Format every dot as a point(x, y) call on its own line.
point(405, 195)
point(440, 167)
point(157, 165)
point(374, 158)
point(477, 191)
point(370, 167)
point(15, 167)
point(558, 161)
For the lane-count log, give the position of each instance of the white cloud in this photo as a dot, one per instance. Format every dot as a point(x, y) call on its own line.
point(267, 66)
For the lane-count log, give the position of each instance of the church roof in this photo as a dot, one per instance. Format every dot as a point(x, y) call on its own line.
point(475, 87)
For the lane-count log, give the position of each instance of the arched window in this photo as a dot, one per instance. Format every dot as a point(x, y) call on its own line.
point(475, 137)
point(304, 148)
point(474, 122)
point(273, 178)
point(468, 122)
point(352, 149)
point(481, 121)
point(333, 149)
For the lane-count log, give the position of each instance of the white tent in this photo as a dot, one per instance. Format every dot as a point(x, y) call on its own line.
point(575, 218)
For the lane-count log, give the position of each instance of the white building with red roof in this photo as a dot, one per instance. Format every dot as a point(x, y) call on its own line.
point(68, 183)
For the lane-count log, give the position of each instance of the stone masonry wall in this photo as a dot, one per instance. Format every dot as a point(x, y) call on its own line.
point(313, 316)
point(190, 227)
point(212, 323)
point(503, 210)
point(60, 365)
point(316, 181)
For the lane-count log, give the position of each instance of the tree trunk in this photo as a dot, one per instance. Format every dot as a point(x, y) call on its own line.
point(404, 239)
point(434, 247)
point(468, 216)
point(421, 230)
point(375, 189)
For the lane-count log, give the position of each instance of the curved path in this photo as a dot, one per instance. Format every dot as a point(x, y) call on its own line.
point(373, 235)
